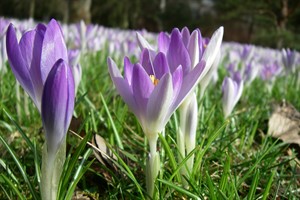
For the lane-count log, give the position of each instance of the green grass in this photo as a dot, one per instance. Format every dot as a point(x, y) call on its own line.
point(234, 159)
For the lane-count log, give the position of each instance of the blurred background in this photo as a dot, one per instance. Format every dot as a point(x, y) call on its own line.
point(272, 23)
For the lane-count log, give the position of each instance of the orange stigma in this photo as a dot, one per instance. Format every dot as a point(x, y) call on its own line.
point(154, 80)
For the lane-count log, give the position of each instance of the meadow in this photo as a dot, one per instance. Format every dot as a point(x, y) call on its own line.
point(234, 156)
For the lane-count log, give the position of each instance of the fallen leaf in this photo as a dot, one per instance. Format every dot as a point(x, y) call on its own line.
point(284, 123)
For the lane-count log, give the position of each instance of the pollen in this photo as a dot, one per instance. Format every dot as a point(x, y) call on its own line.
point(154, 80)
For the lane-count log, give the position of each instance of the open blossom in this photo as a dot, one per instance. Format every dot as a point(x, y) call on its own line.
point(153, 94)
point(155, 87)
point(232, 89)
point(185, 48)
point(32, 58)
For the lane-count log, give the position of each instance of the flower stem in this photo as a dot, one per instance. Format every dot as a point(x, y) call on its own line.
point(52, 166)
point(152, 167)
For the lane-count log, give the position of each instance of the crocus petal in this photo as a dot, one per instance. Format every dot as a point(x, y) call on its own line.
point(121, 85)
point(185, 32)
point(146, 61)
point(57, 104)
point(177, 78)
point(193, 48)
point(128, 67)
point(77, 73)
point(73, 56)
point(212, 49)
point(143, 44)
point(160, 65)
point(177, 53)
point(200, 42)
point(26, 46)
point(239, 91)
point(142, 87)
point(228, 96)
point(159, 104)
point(53, 48)
point(163, 42)
point(35, 67)
point(17, 63)
point(189, 83)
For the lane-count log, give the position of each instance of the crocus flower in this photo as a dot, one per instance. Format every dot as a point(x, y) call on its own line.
point(270, 70)
point(251, 71)
point(213, 72)
point(3, 56)
point(189, 122)
point(40, 63)
point(57, 103)
point(185, 49)
point(288, 59)
point(74, 57)
point(32, 58)
point(232, 89)
point(246, 52)
point(242, 53)
point(57, 110)
point(154, 88)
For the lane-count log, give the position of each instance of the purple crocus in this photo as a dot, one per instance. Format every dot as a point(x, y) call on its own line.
point(288, 59)
point(74, 57)
point(232, 89)
point(185, 48)
point(251, 71)
point(153, 94)
point(3, 56)
point(270, 69)
point(40, 63)
point(246, 52)
point(57, 110)
point(32, 58)
point(156, 86)
point(57, 103)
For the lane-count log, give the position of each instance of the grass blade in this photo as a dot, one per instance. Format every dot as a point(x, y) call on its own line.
point(79, 173)
point(29, 143)
point(269, 184)
point(254, 183)
point(13, 187)
point(19, 165)
point(117, 136)
point(211, 187)
point(179, 189)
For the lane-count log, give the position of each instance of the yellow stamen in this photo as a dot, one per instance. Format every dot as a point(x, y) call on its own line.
point(154, 80)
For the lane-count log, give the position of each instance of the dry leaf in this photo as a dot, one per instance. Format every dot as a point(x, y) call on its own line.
point(284, 123)
point(103, 153)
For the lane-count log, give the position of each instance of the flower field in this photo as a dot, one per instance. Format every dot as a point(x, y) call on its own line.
point(89, 112)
